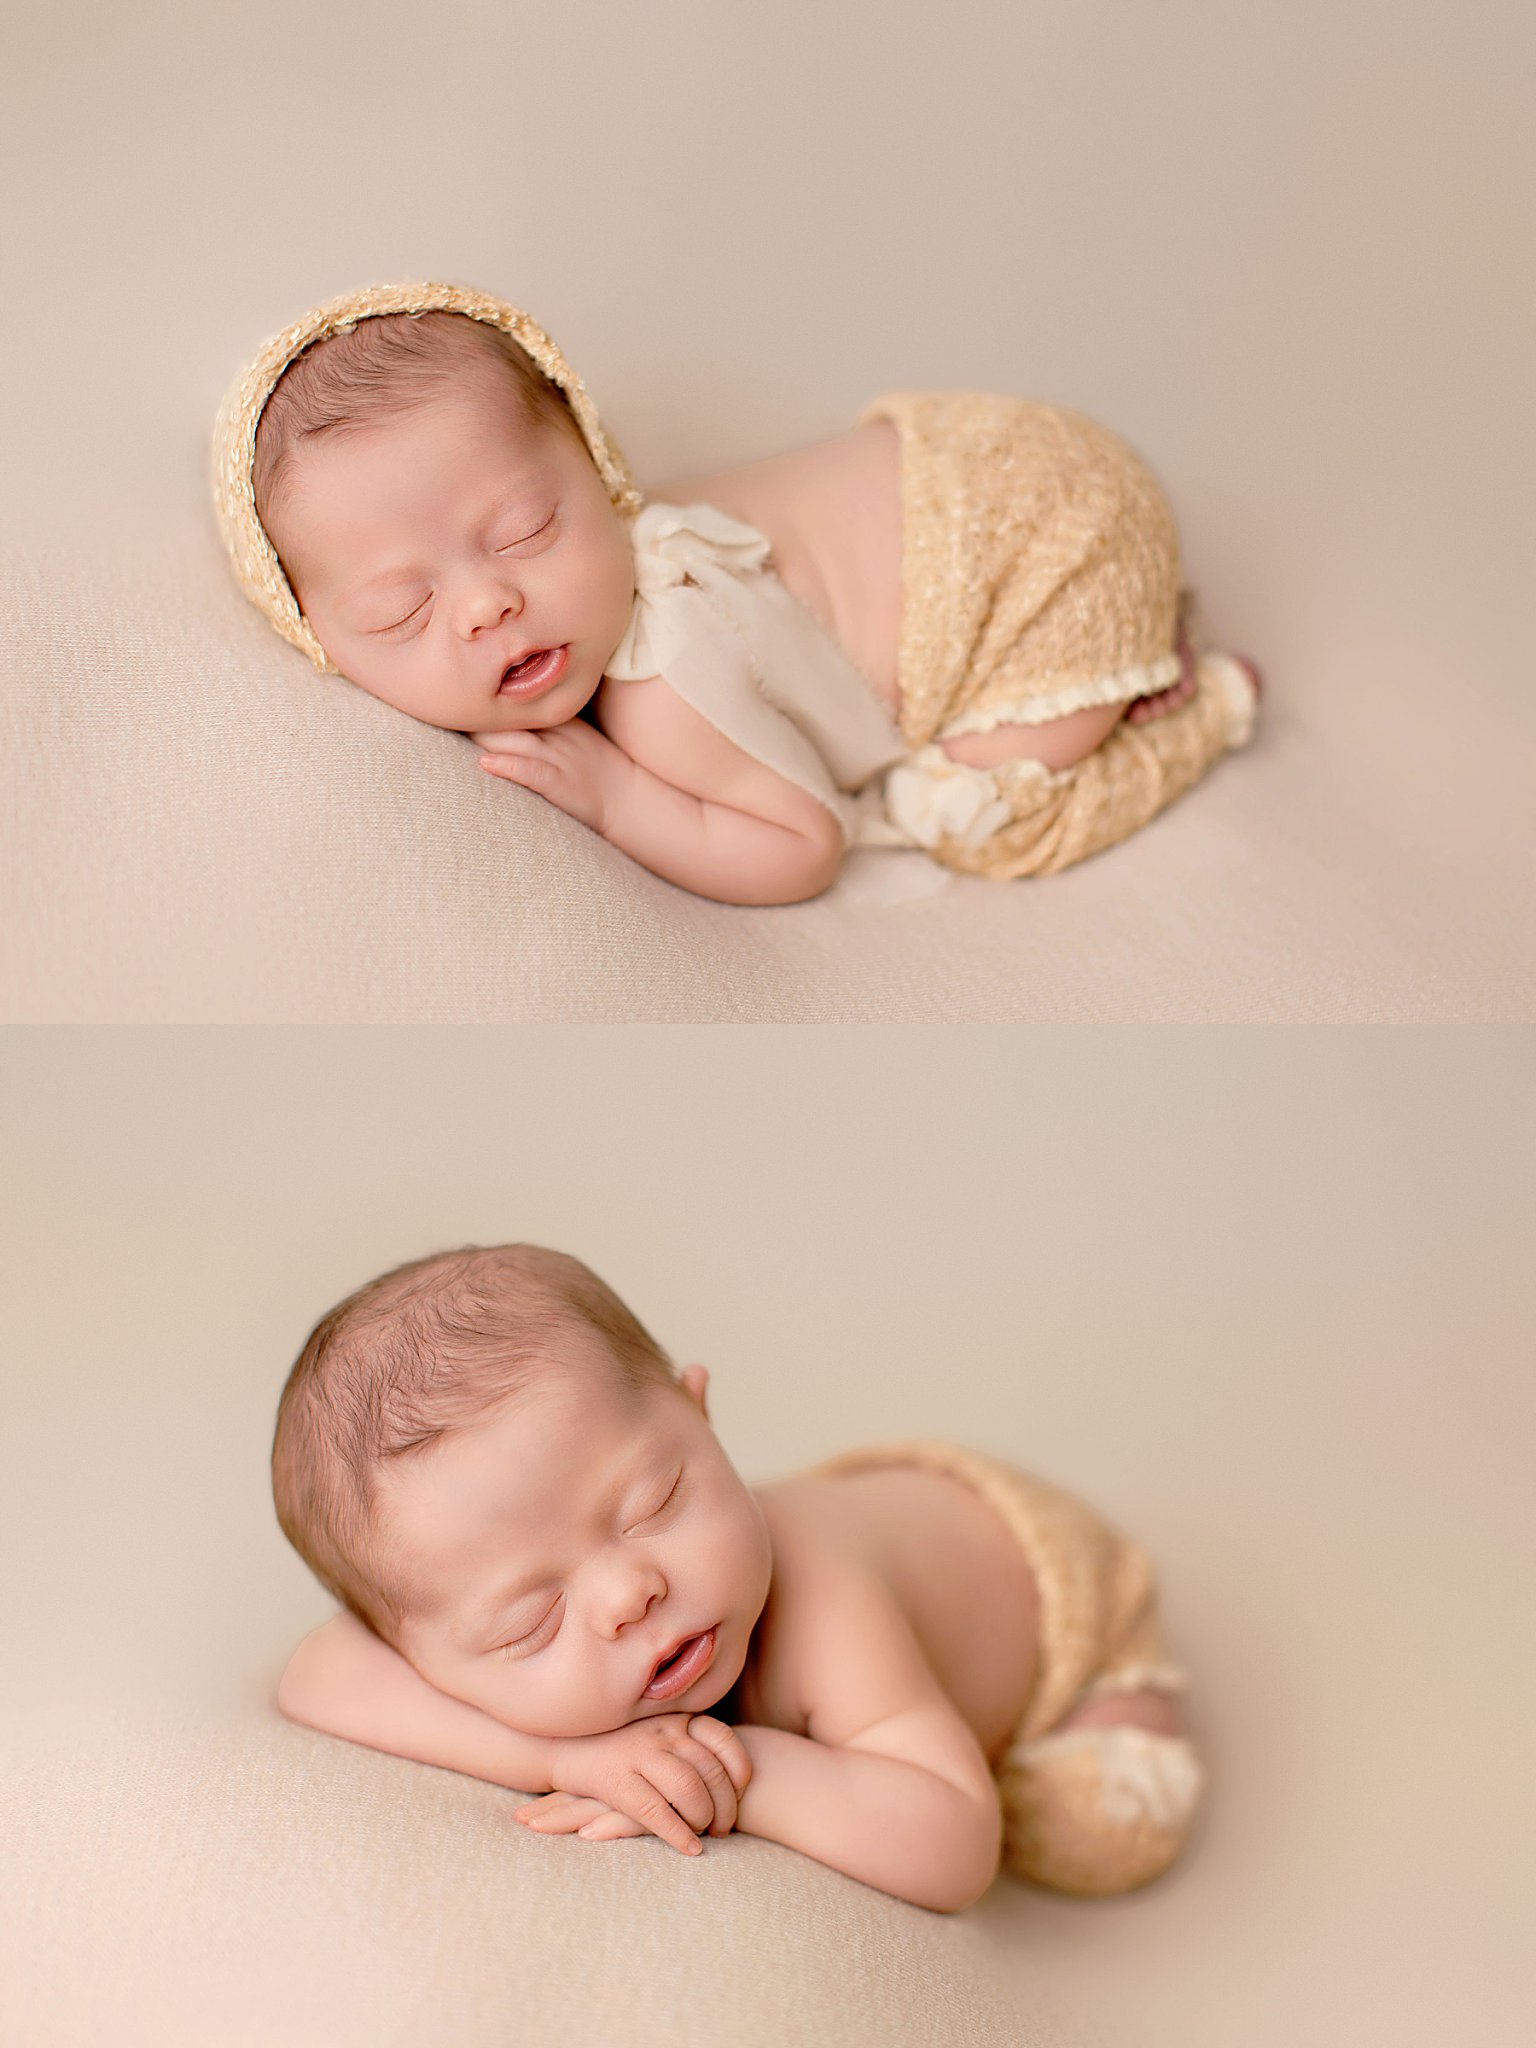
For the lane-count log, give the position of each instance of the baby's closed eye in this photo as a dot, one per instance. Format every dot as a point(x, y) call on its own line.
point(399, 624)
point(671, 1498)
point(536, 1637)
point(524, 539)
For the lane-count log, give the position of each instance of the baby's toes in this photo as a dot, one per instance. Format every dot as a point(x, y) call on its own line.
point(1161, 702)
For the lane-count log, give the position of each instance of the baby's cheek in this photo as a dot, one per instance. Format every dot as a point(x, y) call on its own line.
point(563, 1699)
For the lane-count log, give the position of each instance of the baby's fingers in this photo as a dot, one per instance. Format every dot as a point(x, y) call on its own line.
point(611, 1827)
point(566, 1813)
point(529, 771)
point(717, 1783)
point(727, 1745)
point(656, 1810)
point(560, 1813)
point(514, 742)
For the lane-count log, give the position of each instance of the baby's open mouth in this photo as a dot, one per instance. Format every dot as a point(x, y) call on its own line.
point(676, 1672)
point(533, 673)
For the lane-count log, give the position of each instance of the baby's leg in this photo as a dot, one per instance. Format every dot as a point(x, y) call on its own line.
point(1062, 817)
point(1103, 1802)
point(1161, 702)
point(1062, 742)
point(1149, 1707)
point(1057, 744)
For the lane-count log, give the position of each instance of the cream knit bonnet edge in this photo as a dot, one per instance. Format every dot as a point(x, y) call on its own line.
point(256, 566)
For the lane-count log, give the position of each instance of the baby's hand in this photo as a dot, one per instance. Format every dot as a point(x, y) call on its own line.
point(573, 765)
point(672, 1775)
point(563, 1813)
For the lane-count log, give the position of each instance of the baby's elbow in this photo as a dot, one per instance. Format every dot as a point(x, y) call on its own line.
point(292, 1697)
point(812, 864)
point(968, 1870)
point(974, 1883)
point(967, 1878)
point(300, 1692)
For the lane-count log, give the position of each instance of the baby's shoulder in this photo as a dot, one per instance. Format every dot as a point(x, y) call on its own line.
point(830, 1600)
point(834, 1630)
point(808, 1518)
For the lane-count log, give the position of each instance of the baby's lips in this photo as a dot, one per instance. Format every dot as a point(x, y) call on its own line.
point(693, 1664)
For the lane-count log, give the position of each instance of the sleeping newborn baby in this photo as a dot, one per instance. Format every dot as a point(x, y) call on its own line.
point(908, 1662)
point(959, 625)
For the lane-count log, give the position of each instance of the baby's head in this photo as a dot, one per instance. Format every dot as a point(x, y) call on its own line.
point(436, 509)
point(489, 1461)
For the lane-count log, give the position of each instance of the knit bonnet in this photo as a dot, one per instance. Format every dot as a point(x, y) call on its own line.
point(256, 565)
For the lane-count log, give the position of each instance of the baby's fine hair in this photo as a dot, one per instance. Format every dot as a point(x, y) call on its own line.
point(416, 1353)
point(378, 370)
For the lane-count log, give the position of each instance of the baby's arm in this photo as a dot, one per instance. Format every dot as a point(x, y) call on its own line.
point(344, 1680)
point(883, 1808)
point(889, 1784)
point(670, 792)
point(679, 1775)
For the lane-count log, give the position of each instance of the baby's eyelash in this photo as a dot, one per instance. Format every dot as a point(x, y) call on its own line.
point(672, 1493)
point(407, 619)
point(519, 1644)
point(523, 539)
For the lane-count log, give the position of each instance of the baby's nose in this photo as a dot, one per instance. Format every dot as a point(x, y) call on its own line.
point(490, 603)
point(632, 1600)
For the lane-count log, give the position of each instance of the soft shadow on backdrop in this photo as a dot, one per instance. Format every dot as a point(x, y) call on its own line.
point(1264, 1297)
point(1284, 253)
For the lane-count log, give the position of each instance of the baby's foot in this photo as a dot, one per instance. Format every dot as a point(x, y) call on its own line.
point(1161, 702)
point(1158, 1712)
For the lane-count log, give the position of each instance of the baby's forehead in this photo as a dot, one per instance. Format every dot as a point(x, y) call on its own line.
point(353, 504)
point(573, 1426)
point(521, 1479)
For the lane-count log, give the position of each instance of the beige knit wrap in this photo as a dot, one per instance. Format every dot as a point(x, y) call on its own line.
point(234, 436)
point(1090, 1811)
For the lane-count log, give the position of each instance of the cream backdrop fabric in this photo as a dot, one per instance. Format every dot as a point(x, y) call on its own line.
point(1281, 252)
point(1265, 1298)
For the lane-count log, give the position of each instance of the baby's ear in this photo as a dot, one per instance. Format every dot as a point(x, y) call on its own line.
point(696, 1387)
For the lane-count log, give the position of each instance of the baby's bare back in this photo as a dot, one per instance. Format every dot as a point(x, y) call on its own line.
point(955, 1571)
point(832, 514)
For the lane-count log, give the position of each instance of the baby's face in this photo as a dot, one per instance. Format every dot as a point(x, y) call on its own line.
point(432, 552)
point(567, 1542)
